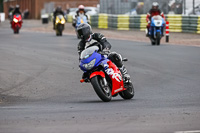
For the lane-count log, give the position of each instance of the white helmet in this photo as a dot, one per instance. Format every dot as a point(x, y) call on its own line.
point(155, 4)
point(81, 7)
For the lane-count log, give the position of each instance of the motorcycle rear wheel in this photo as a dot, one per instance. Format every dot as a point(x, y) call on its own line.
point(128, 93)
point(104, 92)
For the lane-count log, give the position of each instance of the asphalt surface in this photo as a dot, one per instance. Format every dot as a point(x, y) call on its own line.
point(40, 89)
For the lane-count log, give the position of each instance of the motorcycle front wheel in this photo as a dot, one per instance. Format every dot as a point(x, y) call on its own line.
point(16, 31)
point(158, 37)
point(103, 91)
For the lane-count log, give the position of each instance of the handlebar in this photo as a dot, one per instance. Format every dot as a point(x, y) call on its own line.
point(104, 52)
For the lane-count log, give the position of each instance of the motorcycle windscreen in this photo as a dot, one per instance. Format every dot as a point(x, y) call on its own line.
point(89, 51)
point(81, 19)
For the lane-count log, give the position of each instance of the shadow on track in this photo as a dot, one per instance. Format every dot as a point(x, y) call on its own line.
point(99, 101)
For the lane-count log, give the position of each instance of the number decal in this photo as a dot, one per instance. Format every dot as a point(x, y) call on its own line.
point(115, 76)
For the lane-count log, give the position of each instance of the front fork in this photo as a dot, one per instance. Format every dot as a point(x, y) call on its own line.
point(105, 81)
point(160, 29)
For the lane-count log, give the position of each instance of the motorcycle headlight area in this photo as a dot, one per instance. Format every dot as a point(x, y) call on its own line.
point(15, 20)
point(57, 21)
point(89, 65)
point(158, 23)
point(62, 22)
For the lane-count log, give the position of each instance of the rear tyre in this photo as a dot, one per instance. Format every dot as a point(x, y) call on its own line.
point(128, 93)
point(104, 92)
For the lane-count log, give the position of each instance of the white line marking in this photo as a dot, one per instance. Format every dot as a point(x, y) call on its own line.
point(195, 131)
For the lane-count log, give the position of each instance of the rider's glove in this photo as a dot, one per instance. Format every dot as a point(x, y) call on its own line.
point(106, 50)
point(149, 22)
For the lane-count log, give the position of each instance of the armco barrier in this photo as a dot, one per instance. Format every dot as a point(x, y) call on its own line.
point(143, 23)
point(103, 21)
point(198, 26)
point(123, 22)
point(177, 23)
point(112, 21)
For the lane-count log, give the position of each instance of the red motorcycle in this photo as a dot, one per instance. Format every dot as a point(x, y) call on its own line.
point(16, 23)
point(104, 75)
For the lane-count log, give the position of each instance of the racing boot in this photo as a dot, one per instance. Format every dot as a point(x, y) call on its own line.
point(125, 75)
point(54, 24)
point(85, 77)
point(147, 32)
point(162, 32)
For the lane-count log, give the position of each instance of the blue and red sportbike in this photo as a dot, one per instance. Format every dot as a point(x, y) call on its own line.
point(104, 75)
point(156, 31)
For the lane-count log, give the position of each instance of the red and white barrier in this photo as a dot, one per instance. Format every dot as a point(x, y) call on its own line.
point(167, 31)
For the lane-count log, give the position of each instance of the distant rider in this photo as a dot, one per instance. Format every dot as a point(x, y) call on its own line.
point(16, 11)
point(153, 12)
point(58, 11)
point(88, 38)
point(80, 12)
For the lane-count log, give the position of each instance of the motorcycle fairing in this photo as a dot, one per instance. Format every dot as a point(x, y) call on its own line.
point(80, 20)
point(100, 73)
point(116, 77)
point(60, 19)
point(96, 56)
point(156, 25)
point(17, 24)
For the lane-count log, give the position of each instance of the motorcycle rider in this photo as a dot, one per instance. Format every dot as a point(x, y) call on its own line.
point(80, 12)
point(58, 11)
point(153, 12)
point(16, 10)
point(88, 38)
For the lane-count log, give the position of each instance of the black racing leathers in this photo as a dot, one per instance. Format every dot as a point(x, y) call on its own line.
point(95, 36)
point(16, 11)
point(57, 13)
point(113, 56)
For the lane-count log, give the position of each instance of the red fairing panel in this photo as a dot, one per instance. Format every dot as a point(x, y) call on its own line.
point(116, 77)
point(19, 23)
point(102, 74)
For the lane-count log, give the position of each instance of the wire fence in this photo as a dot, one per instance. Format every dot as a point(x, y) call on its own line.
point(136, 7)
